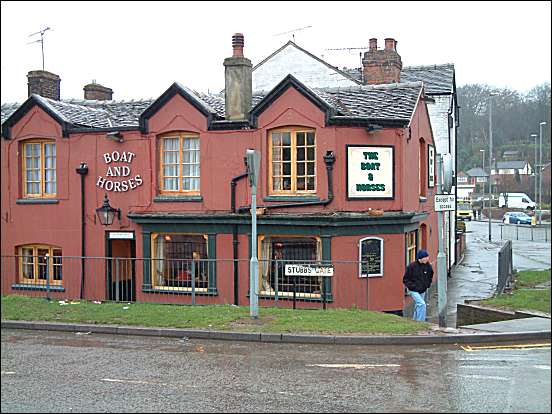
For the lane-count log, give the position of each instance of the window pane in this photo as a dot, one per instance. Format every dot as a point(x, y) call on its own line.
point(310, 154)
point(185, 170)
point(310, 138)
point(300, 168)
point(287, 168)
point(310, 168)
point(170, 184)
point(301, 183)
point(310, 183)
point(300, 138)
point(276, 184)
point(300, 154)
point(171, 144)
point(276, 154)
point(50, 188)
point(286, 182)
point(276, 139)
point(286, 138)
point(286, 154)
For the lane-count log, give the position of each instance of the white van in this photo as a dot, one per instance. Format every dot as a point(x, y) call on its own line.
point(516, 200)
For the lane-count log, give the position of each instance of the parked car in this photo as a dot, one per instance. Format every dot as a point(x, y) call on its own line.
point(464, 211)
point(516, 217)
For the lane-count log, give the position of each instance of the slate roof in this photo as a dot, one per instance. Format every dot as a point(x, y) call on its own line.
point(438, 79)
point(477, 172)
point(389, 101)
point(507, 165)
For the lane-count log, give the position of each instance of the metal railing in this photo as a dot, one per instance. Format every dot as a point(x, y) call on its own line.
point(505, 267)
point(193, 282)
point(524, 232)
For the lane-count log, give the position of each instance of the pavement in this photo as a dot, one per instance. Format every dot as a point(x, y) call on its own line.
point(475, 277)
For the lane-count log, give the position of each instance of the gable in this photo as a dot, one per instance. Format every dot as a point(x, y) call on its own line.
point(307, 68)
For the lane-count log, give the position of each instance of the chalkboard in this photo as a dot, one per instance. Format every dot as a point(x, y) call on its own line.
point(371, 257)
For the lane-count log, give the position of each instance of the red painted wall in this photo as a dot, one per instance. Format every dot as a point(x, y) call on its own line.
point(222, 155)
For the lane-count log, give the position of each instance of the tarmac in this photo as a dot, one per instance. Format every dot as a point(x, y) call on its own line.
point(474, 277)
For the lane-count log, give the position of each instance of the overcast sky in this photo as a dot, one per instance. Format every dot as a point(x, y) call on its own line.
point(140, 48)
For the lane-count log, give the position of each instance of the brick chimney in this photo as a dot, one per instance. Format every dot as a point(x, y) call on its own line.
point(238, 82)
point(98, 92)
point(43, 83)
point(382, 66)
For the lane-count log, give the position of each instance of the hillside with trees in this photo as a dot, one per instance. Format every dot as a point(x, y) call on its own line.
point(515, 117)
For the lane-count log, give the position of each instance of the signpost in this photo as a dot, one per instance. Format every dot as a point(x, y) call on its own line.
point(443, 202)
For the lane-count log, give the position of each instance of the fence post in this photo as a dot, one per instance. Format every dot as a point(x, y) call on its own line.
point(47, 276)
point(323, 293)
point(276, 281)
point(517, 231)
point(117, 279)
point(294, 290)
point(193, 281)
point(531, 233)
point(501, 232)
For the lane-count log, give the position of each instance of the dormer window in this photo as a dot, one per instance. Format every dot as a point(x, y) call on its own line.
point(179, 164)
point(39, 169)
point(292, 161)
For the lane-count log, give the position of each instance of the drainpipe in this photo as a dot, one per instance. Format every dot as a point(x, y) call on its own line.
point(329, 160)
point(233, 184)
point(82, 171)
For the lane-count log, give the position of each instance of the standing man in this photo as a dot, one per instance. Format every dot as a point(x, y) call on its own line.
point(417, 279)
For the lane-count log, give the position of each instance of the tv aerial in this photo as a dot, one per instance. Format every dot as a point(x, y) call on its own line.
point(292, 31)
point(41, 41)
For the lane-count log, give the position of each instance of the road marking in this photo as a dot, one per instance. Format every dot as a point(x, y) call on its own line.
point(475, 376)
point(469, 348)
point(355, 366)
point(8, 372)
point(542, 367)
point(131, 381)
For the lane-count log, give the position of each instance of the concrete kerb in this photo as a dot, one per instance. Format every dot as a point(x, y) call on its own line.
point(453, 338)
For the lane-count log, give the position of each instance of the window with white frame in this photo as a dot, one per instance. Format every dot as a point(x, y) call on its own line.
point(39, 169)
point(179, 156)
point(370, 257)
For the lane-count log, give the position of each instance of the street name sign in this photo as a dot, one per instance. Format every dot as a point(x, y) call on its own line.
point(445, 202)
point(308, 270)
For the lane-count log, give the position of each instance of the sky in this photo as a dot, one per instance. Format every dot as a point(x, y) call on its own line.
point(139, 49)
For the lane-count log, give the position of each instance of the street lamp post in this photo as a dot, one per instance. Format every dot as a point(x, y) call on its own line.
point(490, 158)
point(535, 165)
point(540, 171)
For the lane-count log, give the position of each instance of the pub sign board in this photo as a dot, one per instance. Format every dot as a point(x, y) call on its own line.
point(370, 172)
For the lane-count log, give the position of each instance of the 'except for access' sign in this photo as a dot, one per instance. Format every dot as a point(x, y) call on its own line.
point(308, 270)
point(445, 202)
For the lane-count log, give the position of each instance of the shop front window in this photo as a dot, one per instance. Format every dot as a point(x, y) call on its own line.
point(177, 258)
point(275, 253)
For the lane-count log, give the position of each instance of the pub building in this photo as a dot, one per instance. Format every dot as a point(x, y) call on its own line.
point(346, 178)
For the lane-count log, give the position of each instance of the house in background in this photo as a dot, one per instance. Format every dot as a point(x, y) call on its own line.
point(478, 177)
point(512, 176)
point(465, 186)
point(380, 66)
point(510, 155)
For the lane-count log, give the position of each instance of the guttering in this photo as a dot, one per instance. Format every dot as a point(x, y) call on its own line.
point(235, 241)
point(329, 160)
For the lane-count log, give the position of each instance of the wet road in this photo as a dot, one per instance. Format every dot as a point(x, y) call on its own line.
point(66, 372)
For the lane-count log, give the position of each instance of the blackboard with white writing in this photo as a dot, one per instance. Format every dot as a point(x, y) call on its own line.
point(371, 258)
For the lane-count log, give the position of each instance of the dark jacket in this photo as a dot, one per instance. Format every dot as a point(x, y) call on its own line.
point(418, 276)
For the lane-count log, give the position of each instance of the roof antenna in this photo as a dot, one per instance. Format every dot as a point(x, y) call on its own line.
point(292, 31)
point(41, 41)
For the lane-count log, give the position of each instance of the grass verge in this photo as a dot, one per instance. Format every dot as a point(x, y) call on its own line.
point(212, 317)
point(525, 296)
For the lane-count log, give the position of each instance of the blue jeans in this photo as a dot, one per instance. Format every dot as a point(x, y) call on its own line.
point(419, 305)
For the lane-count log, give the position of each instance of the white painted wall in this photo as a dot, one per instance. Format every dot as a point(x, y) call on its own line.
point(305, 68)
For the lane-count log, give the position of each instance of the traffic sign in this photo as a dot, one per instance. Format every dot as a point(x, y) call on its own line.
point(445, 202)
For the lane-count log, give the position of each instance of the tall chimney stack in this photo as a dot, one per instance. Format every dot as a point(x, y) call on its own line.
point(238, 82)
point(98, 92)
point(382, 66)
point(43, 83)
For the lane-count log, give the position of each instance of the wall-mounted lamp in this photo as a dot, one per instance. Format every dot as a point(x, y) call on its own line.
point(106, 213)
point(373, 128)
point(115, 136)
